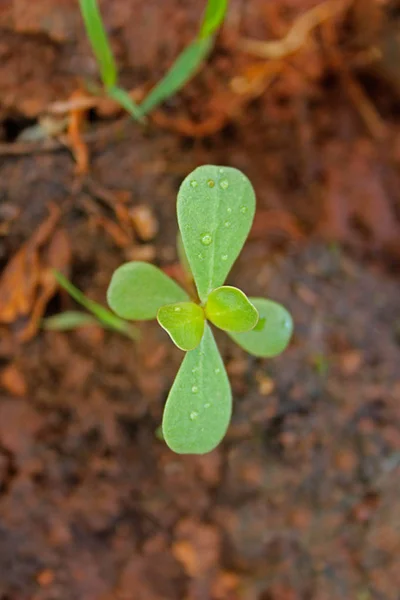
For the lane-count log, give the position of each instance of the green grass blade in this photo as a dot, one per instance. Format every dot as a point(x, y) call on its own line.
point(99, 41)
point(106, 317)
point(213, 17)
point(68, 320)
point(123, 98)
point(183, 69)
point(199, 405)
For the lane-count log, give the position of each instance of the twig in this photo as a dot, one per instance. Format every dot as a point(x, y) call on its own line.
point(297, 35)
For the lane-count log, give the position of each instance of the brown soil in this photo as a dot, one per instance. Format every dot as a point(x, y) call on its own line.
point(301, 499)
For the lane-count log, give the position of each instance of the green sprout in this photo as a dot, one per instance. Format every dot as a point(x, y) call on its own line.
point(182, 70)
point(73, 319)
point(215, 209)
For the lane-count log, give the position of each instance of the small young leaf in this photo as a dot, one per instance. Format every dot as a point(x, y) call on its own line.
point(184, 322)
point(183, 69)
point(215, 211)
point(123, 98)
point(199, 405)
point(137, 290)
point(229, 308)
point(213, 17)
point(99, 41)
point(272, 333)
point(70, 319)
point(105, 316)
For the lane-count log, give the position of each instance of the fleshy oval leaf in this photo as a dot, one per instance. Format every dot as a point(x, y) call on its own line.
point(199, 405)
point(215, 211)
point(229, 309)
point(272, 333)
point(138, 290)
point(184, 323)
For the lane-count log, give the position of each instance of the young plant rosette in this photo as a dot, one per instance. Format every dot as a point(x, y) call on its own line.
point(215, 209)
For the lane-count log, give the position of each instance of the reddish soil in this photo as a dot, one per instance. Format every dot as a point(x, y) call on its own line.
point(300, 501)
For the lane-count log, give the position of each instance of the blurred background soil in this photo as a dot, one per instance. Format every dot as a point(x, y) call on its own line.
point(300, 501)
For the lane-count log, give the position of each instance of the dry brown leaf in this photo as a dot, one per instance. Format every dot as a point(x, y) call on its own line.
point(57, 256)
point(21, 276)
point(12, 380)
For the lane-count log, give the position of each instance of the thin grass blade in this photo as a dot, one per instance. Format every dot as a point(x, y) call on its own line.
point(106, 317)
point(99, 41)
point(123, 98)
point(183, 69)
point(213, 17)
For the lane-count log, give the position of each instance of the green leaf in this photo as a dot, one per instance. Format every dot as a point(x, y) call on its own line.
point(183, 69)
point(138, 290)
point(199, 405)
point(229, 309)
point(213, 17)
point(215, 211)
point(184, 322)
point(106, 317)
point(272, 333)
point(123, 98)
point(99, 41)
point(70, 319)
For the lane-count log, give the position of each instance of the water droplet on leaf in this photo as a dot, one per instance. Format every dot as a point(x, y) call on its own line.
point(224, 257)
point(224, 183)
point(200, 256)
point(227, 223)
point(177, 309)
point(195, 389)
point(244, 210)
point(229, 210)
point(217, 370)
point(193, 415)
point(210, 183)
point(207, 405)
point(194, 183)
point(206, 239)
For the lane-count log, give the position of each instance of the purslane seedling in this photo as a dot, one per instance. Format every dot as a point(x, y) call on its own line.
point(215, 209)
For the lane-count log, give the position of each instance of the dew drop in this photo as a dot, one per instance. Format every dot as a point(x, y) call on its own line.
point(244, 210)
point(211, 183)
point(227, 223)
point(195, 389)
point(193, 415)
point(194, 183)
point(229, 210)
point(200, 256)
point(206, 239)
point(195, 369)
point(217, 370)
point(224, 183)
point(207, 405)
point(224, 257)
point(221, 170)
point(177, 309)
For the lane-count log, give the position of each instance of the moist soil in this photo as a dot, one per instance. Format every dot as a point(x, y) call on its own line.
point(300, 501)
